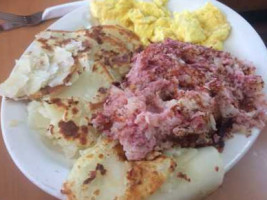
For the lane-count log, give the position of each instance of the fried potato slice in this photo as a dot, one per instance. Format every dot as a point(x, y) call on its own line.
point(72, 108)
point(39, 72)
point(89, 90)
point(198, 173)
point(99, 173)
point(56, 59)
point(66, 122)
point(102, 172)
point(97, 73)
point(115, 61)
point(127, 37)
point(90, 86)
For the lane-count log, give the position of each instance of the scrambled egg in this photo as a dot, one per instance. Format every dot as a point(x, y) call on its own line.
point(153, 22)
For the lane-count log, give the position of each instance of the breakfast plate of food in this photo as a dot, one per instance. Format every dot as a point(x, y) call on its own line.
point(131, 99)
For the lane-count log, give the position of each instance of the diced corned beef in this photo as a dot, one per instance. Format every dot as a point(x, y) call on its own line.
point(182, 94)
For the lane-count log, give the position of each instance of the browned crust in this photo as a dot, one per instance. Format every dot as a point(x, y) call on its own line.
point(92, 174)
point(45, 91)
point(96, 106)
point(123, 31)
point(70, 131)
point(66, 190)
point(183, 176)
point(101, 38)
point(67, 127)
point(44, 44)
point(144, 179)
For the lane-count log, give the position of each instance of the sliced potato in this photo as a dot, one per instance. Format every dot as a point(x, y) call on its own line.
point(66, 122)
point(99, 173)
point(179, 174)
point(38, 70)
point(56, 59)
point(198, 173)
point(90, 85)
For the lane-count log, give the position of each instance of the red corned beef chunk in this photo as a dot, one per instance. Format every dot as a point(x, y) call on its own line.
point(182, 94)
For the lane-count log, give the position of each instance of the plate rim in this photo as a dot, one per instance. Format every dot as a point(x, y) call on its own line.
point(44, 188)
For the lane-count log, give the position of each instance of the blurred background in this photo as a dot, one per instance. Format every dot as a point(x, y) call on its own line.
point(254, 11)
point(246, 5)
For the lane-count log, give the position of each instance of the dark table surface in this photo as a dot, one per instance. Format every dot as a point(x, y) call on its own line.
point(258, 19)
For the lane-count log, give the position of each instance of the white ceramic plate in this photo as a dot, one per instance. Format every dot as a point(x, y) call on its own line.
point(48, 169)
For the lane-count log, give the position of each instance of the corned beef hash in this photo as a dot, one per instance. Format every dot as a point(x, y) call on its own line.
point(182, 94)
